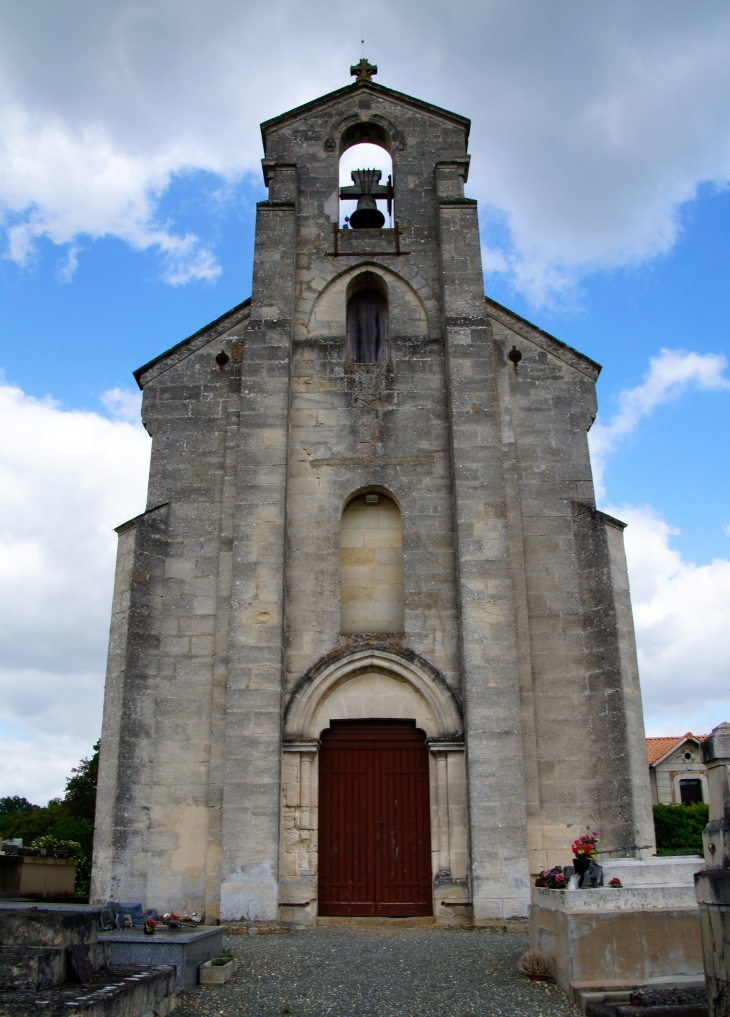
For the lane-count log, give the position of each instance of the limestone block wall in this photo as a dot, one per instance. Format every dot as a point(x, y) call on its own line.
point(126, 763)
point(164, 845)
point(582, 701)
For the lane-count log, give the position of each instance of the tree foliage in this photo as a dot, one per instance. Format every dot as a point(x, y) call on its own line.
point(68, 819)
point(14, 803)
point(679, 827)
point(80, 797)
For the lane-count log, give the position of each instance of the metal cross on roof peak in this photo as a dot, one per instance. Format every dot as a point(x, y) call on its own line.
point(363, 70)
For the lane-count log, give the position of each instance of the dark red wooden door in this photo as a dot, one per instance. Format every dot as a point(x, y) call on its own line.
point(374, 825)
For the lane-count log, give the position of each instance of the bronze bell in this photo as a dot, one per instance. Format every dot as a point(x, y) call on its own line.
point(367, 216)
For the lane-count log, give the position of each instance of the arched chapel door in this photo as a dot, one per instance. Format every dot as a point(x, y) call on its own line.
point(374, 822)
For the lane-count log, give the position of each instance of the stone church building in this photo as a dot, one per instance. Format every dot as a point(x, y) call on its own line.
point(372, 649)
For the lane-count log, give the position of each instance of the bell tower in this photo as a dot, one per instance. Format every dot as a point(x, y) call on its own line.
point(371, 517)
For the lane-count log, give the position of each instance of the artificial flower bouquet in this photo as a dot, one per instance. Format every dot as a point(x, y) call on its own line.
point(553, 879)
point(586, 846)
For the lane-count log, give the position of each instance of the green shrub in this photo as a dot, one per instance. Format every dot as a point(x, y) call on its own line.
point(679, 828)
point(75, 850)
point(67, 819)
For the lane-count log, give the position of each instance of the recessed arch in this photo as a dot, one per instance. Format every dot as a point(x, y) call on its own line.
point(365, 133)
point(367, 280)
point(439, 714)
point(326, 315)
point(373, 128)
point(371, 489)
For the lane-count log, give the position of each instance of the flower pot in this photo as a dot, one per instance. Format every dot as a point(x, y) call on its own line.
point(216, 974)
point(581, 865)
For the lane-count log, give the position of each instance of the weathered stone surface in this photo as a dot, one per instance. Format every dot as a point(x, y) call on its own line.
point(119, 992)
point(712, 885)
point(234, 598)
point(672, 870)
point(47, 926)
point(617, 937)
point(31, 967)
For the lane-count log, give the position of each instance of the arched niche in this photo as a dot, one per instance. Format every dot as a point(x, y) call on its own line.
point(371, 565)
point(327, 318)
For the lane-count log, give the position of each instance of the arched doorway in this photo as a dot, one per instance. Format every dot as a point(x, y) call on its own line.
point(362, 722)
point(374, 822)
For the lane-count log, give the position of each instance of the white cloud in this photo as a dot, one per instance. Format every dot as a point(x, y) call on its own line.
point(681, 613)
point(123, 404)
point(66, 479)
point(668, 377)
point(680, 608)
point(592, 123)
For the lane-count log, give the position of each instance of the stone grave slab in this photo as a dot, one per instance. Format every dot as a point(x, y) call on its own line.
point(183, 949)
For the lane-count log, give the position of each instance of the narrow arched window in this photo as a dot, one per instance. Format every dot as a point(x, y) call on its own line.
point(367, 327)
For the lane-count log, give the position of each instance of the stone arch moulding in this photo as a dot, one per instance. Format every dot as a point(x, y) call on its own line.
point(301, 713)
point(324, 311)
point(377, 123)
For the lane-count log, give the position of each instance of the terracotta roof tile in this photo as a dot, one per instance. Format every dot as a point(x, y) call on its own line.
point(657, 748)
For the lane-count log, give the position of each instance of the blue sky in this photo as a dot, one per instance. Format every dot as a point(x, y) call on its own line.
point(678, 459)
point(75, 339)
point(129, 174)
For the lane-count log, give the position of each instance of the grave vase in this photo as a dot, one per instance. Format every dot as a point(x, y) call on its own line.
point(581, 865)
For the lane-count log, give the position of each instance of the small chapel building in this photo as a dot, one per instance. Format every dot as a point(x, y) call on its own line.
point(372, 649)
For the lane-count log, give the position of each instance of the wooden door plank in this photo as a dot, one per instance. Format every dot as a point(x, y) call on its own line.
point(374, 845)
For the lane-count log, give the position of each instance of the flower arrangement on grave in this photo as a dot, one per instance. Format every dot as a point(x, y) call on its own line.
point(615, 882)
point(149, 926)
point(553, 878)
point(585, 846)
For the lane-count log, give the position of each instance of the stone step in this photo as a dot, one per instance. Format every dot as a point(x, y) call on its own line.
point(668, 1010)
point(119, 992)
point(375, 922)
point(679, 990)
point(39, 926)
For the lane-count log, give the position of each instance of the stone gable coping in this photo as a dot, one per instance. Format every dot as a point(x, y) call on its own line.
point(123, 527)
point(544, 340)
point(192, 344)
point(269, 126)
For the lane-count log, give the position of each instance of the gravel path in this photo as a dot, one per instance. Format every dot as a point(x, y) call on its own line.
point(373, 972)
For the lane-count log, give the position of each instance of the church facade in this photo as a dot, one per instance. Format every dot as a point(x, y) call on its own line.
point(372, 648)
